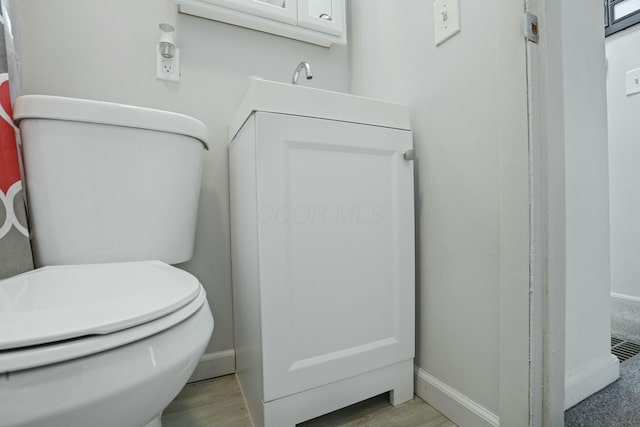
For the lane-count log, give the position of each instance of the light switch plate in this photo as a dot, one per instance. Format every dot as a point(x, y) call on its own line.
point(633, 81)
point(446, 19)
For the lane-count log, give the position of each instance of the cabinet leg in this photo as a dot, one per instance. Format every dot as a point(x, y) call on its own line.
point(155, 422)
point(402, 393)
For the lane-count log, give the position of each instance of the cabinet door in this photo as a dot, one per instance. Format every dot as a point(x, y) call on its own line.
point(278, 10)
point(327, 16)
point(336, 244)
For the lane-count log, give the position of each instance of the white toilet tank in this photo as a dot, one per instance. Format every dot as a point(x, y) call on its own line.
point(108, 182)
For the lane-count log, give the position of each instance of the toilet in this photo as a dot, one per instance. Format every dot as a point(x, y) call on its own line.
point(106, 331)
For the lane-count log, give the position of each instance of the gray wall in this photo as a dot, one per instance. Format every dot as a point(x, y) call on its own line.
point(623, 54)
point(467, 100)
point(106, 51)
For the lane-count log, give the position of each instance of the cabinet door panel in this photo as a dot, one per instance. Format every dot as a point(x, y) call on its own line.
point(283, 11)
point(309, 12)
point(336, 228)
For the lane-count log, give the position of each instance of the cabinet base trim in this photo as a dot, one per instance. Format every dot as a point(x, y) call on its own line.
point(291, 410)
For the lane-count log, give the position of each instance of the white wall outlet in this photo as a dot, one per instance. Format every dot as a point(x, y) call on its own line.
point(446, 19)
point(168, 69)
point(633, 81)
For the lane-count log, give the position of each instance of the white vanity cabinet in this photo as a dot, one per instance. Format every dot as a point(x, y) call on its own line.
point(322, 223)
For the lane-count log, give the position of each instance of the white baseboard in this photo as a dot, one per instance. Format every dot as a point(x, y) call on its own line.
point(453, 404)
point(215, 365)
point(590, 379)
point(625, 298)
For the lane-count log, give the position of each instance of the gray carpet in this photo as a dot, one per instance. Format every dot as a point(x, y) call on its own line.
point(615, 405)
point(625, 320)
point(619, 403)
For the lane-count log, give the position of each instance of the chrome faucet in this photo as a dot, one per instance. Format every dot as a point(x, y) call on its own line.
point(307, 70)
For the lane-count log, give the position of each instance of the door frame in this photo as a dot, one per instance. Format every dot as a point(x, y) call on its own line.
point(548, 103)
point(514, 382)
point(548, 215)
point(548, 248)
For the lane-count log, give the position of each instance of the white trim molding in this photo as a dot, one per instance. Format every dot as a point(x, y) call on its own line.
point(625, 298)
point(590, 379)
point(215, 365)
point(453, 404)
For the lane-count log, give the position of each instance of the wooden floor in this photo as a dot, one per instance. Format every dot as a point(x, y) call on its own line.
point(219, 403)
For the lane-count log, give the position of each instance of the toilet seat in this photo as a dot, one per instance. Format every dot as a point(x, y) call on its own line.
point(119, 304)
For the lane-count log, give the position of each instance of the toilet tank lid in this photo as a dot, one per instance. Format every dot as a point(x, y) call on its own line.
point(109, 113)
point(57, 303)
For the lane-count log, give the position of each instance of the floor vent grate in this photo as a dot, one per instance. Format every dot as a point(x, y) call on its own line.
point(624, 350)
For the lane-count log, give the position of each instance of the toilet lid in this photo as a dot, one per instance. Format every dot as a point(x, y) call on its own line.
point(63, 302)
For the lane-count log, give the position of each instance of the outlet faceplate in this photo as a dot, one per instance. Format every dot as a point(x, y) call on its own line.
point(168, 69)
point(633, 81)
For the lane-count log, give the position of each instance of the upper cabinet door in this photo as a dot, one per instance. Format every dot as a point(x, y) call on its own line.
point(277, 10)
point(327, 16)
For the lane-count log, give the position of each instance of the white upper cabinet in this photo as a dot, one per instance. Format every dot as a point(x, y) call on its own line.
point(278, 10)
point(326, 16)
point(320, 22)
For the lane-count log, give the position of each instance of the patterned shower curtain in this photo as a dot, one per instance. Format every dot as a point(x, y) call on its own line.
point(15, 248)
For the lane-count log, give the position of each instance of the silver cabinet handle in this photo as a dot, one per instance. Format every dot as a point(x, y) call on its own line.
point(409, 155)
point(326, 16)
